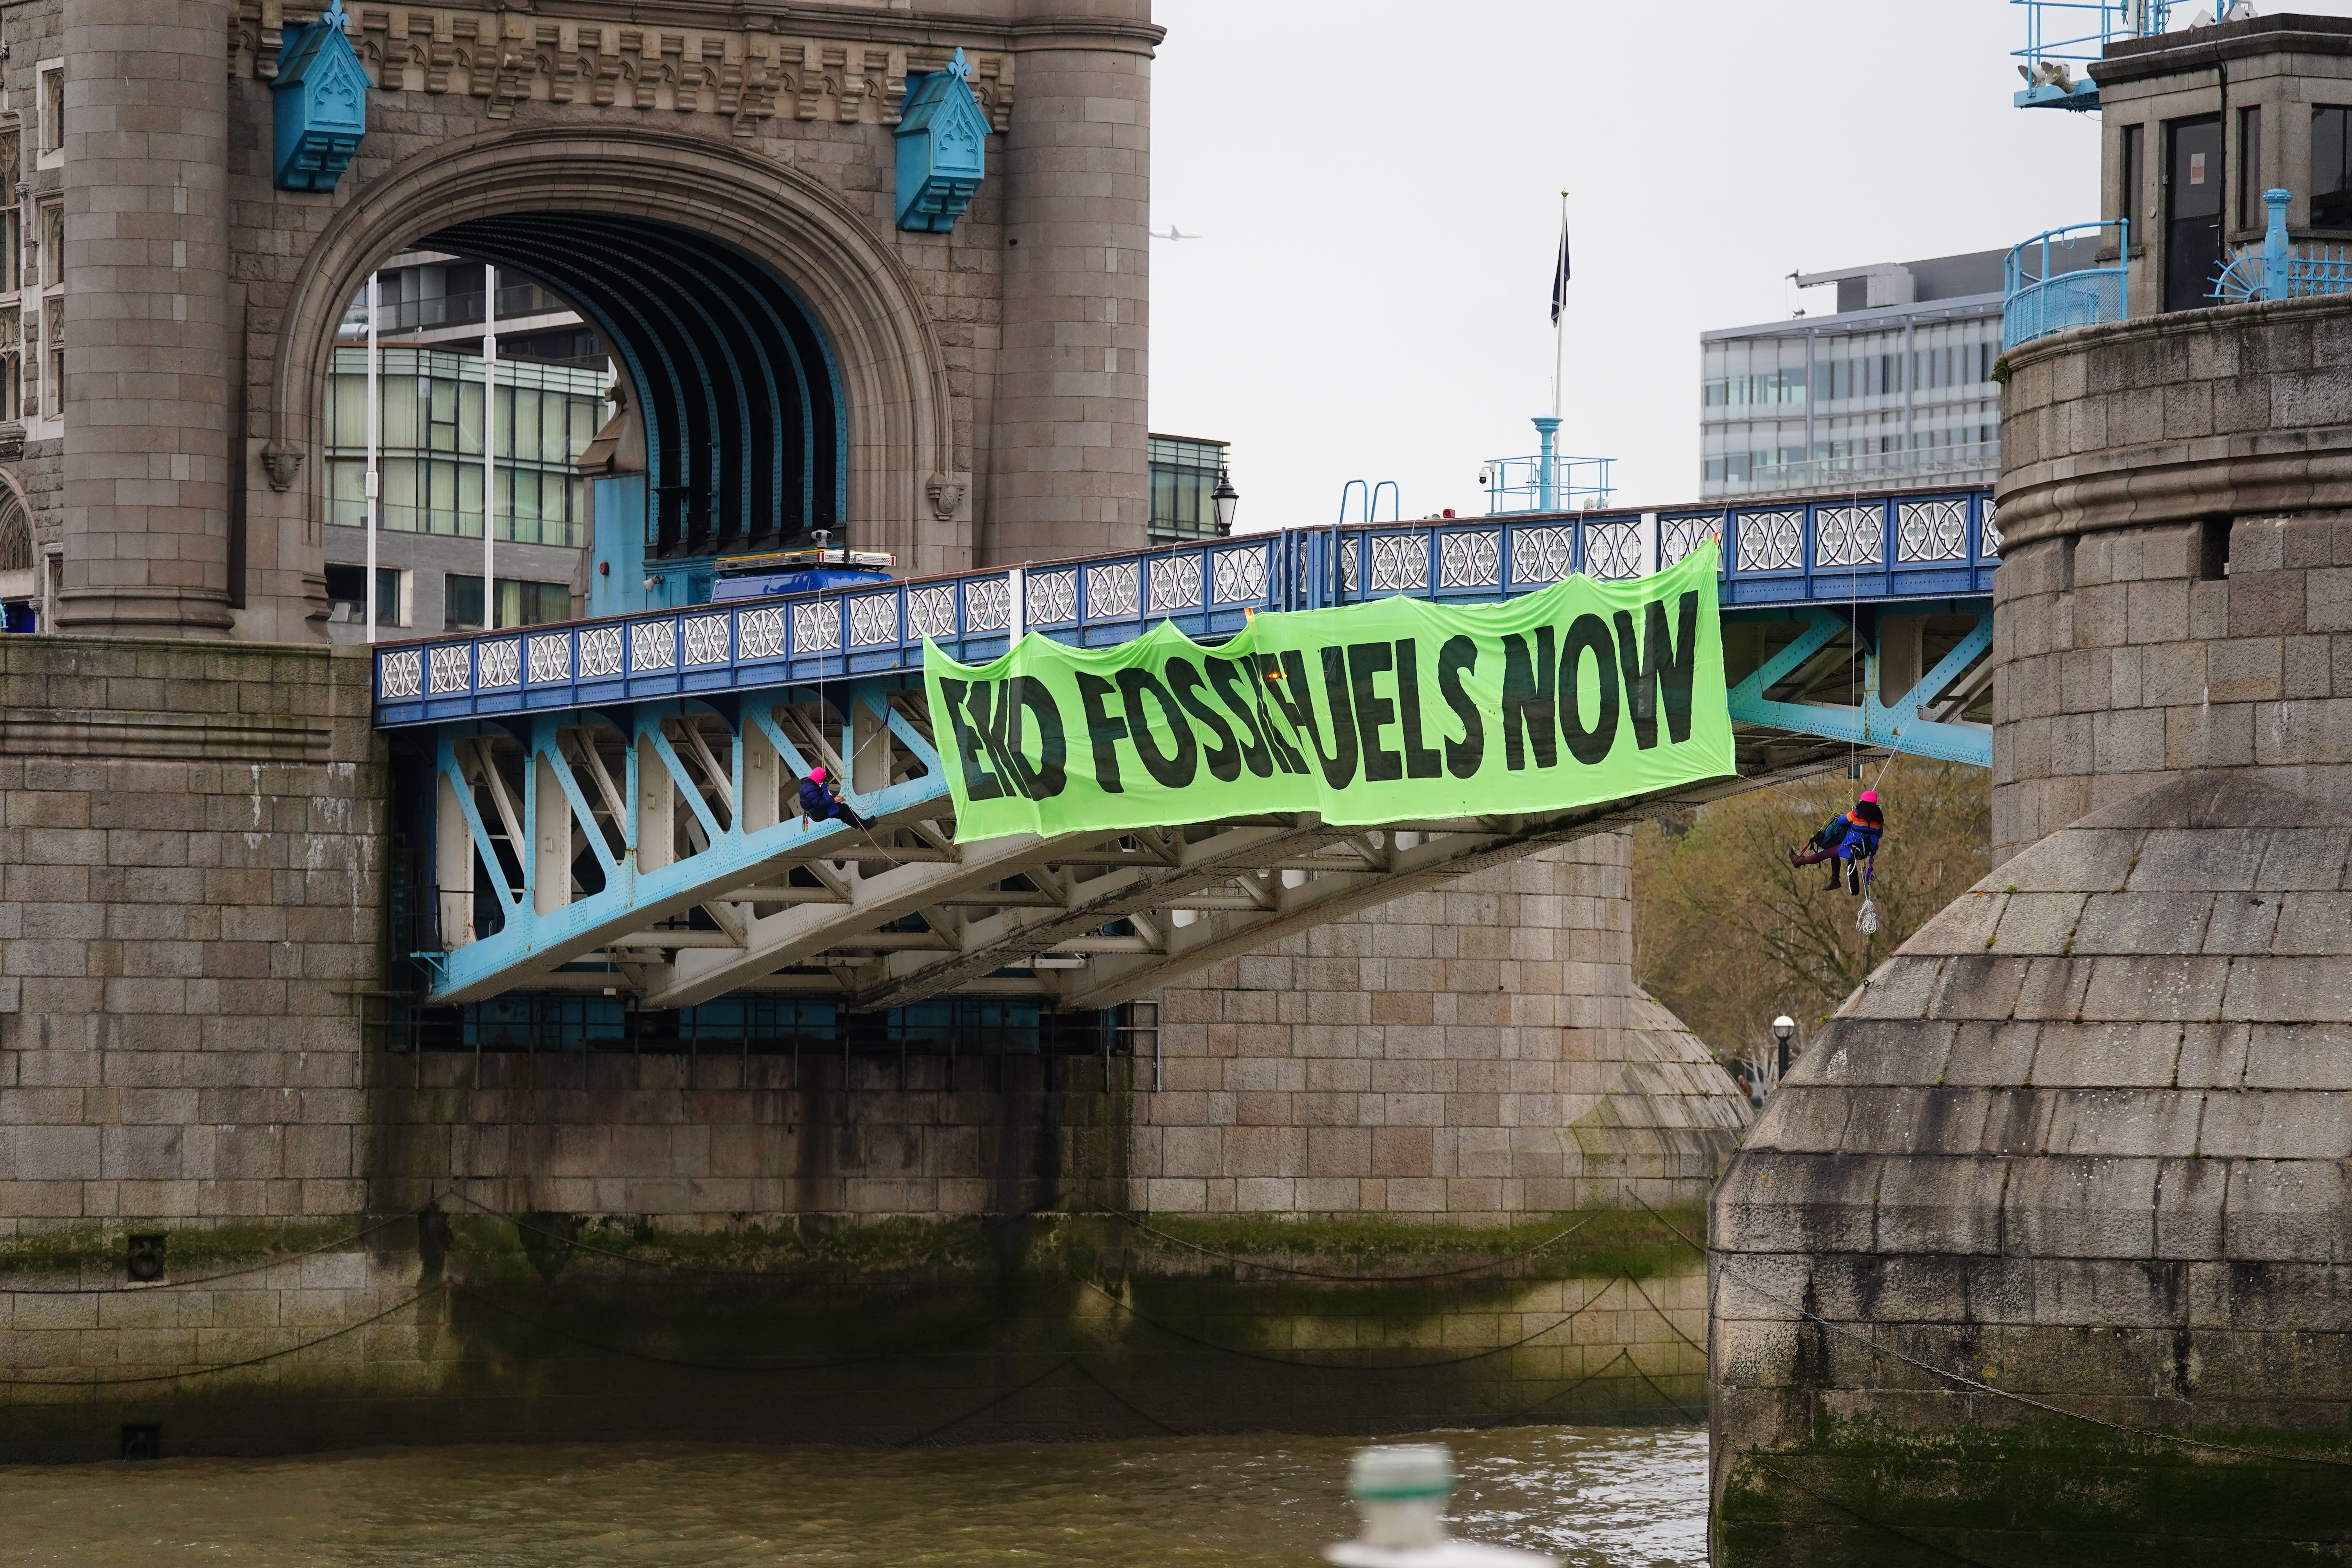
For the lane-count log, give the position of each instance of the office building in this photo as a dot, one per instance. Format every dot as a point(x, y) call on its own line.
point(1894, 388)
point(1184, 470)
point(552, 400)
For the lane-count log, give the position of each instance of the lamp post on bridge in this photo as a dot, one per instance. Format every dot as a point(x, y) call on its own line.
point(1227, 500)
point(1783, 1027)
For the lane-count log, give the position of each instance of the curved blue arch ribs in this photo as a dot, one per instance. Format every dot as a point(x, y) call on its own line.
point(1905, 725)
point(719, 350)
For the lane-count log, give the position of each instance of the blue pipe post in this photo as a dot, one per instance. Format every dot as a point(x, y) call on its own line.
point(2275, 245)
point(1547, 471)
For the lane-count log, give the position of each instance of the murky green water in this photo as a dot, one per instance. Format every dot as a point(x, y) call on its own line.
point(1591, 1495)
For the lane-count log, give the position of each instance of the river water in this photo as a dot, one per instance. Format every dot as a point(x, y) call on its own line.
point(1591, 1495)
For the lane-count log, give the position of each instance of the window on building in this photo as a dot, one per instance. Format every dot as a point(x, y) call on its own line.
point(347, 595)
point(520, 603)
point(2331, 166)
point(55, 375)
point(1183, 482)
point(2250, 168)
point(53, 107)
point(2131, 198)
point(53, 245)
point(12, 351)
point(430, 419)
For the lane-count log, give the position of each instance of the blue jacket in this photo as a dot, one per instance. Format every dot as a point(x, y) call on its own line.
point(1849, 838)
point(816, 803)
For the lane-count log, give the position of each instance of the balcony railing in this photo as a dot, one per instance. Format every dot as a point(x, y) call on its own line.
point(2040, 302)
point(1971, 462)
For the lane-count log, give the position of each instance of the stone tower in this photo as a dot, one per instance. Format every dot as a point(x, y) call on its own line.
point(164, 414)
point(2041, 1251)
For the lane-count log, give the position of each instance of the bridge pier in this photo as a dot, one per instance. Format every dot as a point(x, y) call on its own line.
point(2044, 1241)
point(1466, 1056)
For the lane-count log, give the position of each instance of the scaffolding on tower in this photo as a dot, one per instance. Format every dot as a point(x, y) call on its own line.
point(2062, 35)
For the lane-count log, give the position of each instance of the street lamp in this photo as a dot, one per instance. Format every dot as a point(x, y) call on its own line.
point(1783, 1027)
point(1228, 500)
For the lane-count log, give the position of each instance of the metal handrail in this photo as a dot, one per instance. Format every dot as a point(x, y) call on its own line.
point(1914, 544)
point(2038, 302)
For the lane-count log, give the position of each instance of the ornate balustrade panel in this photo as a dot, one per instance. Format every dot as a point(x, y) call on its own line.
point(1909, 545)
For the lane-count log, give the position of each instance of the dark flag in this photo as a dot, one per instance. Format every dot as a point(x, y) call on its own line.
point(1559, 275)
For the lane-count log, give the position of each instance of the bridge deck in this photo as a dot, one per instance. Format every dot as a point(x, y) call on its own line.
point(606, 806)
point(1873, 550)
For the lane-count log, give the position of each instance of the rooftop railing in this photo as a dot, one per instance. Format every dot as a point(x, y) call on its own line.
point(2280, 269)
point(2040, 302)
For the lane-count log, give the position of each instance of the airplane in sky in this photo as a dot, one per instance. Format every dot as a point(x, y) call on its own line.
point(1175, 233)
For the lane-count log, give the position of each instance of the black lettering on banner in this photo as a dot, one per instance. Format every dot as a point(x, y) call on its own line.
point(1027, 694)
point(1420, 760)
point(1274, 682)
point(1224, 758)
point(1589, 746)
point(1174, 769)
point(1340, 767)
point(1102, 731)
point(1222, 673)
point(979, 783)
point(1458, 659)
point(1661, 663)
point(992, 711)
point(1529, 701)
point(1374, 712)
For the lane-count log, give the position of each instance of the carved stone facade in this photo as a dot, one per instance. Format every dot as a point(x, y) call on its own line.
point(992, 378)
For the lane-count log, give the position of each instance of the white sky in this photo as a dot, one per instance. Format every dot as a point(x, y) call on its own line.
point(1378, 186)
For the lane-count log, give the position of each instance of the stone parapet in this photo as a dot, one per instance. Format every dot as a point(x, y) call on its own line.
point(2178, 419)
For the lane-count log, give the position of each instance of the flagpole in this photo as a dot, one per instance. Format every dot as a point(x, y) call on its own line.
point(1560, 320)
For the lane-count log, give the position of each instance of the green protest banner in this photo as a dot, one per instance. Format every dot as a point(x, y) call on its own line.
point(1395, 710)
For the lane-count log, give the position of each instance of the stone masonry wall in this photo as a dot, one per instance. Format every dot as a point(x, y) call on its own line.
point(189, 892)
point(1468, 1054)
point(2039, 1255)
point(2175, 584)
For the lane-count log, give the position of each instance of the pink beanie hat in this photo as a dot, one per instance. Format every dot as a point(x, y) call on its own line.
point(1869, 795)
point(816, 776)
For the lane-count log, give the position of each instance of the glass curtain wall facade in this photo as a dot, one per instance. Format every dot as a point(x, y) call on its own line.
point(1183, 478)
point(1908, 400)
point(430, 418)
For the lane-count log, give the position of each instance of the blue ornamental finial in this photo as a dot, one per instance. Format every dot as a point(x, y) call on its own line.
point(956, 66)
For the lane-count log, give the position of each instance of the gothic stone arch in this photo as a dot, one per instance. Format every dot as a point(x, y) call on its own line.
point(892, 371)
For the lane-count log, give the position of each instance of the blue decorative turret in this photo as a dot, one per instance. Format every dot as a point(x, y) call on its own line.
point(321, 104)
point(941, 140)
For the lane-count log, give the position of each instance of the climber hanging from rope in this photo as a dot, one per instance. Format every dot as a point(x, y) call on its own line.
point(819, 802)
point(1851, 839)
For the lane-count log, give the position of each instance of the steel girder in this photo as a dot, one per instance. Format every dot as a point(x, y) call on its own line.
point(1922, 721)
point(657, 852)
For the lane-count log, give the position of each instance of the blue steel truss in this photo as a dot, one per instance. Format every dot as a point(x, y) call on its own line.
point(1902, 725)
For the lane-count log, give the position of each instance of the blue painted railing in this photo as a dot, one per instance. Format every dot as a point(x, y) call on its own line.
point(2280, 270)
point(1909, 545)
point(2060, 32)
point(2040, 303)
